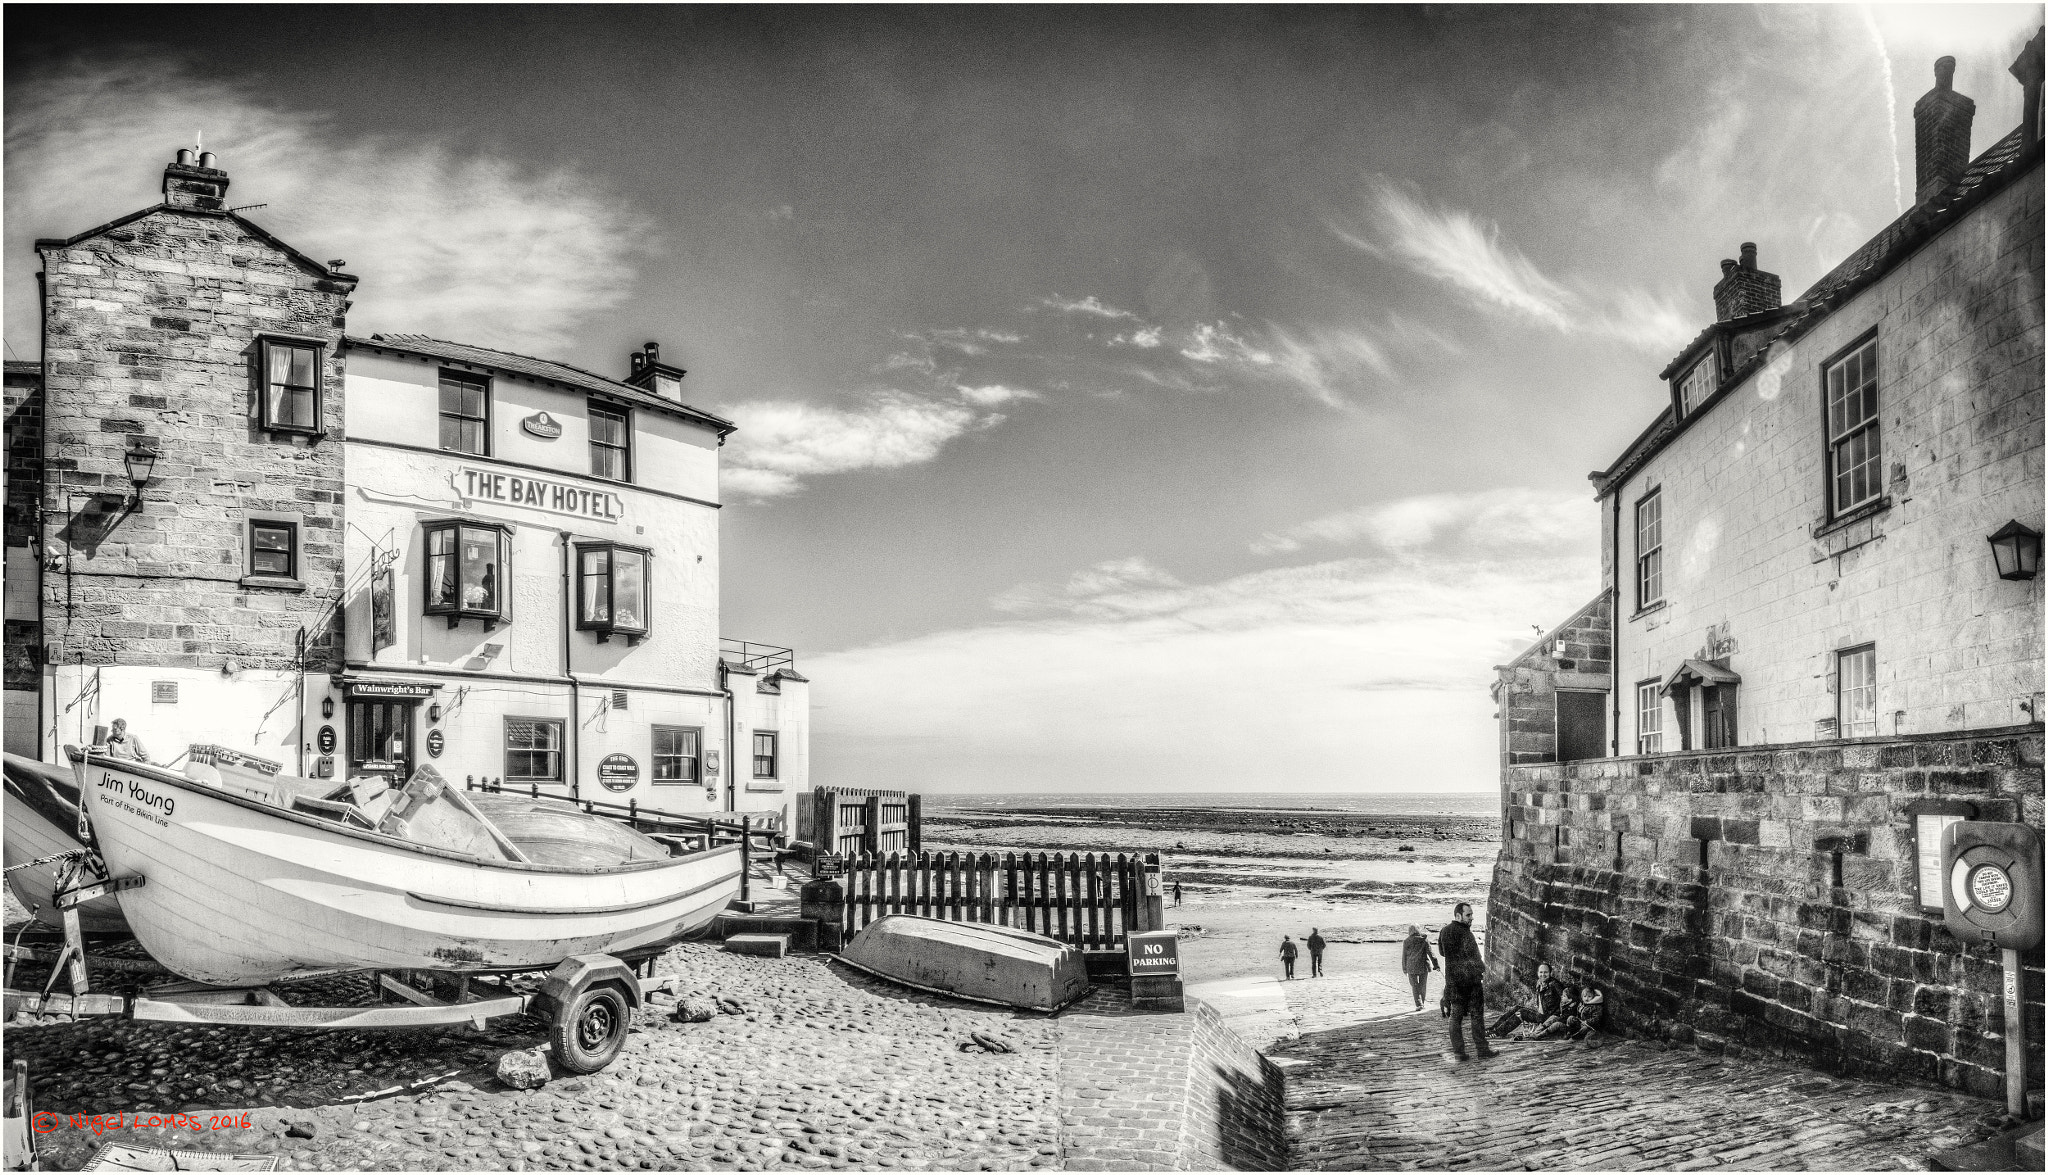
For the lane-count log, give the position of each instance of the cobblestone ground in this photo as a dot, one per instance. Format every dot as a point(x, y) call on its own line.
point(825, 1069)
point(1379, 1096)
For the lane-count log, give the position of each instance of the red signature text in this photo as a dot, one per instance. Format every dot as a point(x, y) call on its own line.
point(44, 1122)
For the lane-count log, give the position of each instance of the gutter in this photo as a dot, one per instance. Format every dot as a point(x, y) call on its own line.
point(732, 751)
point(1614, 636)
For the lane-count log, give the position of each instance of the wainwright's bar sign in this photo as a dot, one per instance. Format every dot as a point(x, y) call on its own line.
point(537, 493)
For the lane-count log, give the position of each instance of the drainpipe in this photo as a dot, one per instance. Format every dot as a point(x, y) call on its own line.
point(1614, 633)
point(570, 752)
point(732, 750)
point(301, 739)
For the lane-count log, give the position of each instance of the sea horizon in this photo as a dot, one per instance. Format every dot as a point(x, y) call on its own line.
point(1442, 803)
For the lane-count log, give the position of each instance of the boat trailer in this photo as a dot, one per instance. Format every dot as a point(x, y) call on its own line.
point(588, 1000)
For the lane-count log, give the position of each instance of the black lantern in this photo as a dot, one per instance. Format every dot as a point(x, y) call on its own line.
point(326, 707)
point(140, 461)
point(2017, 550)
point(433, 711)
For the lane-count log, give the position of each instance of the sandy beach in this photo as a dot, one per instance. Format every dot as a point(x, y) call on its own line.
point(1249, 875)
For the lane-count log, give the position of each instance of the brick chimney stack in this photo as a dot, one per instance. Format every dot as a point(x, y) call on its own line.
point(1941, 134)
point(2027, 68)
point(192, 181)
point(1745, 289)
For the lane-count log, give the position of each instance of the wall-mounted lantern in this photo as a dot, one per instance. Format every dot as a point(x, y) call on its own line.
point(326, 707)
point(2017, 549)
point(433, 711)
point(140, 461)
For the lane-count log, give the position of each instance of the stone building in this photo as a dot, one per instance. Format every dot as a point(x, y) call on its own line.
point(230, 522)
point(1810, 657)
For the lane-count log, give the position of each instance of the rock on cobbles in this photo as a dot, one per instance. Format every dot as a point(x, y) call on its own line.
point(821, 1069)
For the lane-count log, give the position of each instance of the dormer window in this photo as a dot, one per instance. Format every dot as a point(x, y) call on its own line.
point(1698, 384)
point(611, 591)
point(466, 572)
point(289, 372)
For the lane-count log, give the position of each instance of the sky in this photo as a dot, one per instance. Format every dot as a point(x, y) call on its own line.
point(1130, 398)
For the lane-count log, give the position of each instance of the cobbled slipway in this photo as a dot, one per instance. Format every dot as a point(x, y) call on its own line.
point(824, 1069)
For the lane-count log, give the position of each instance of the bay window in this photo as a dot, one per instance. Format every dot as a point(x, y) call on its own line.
point(466, 573)
point(611, 591)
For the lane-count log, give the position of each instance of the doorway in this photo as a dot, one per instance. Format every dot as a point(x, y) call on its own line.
point(380, 739)
point(1581, 725)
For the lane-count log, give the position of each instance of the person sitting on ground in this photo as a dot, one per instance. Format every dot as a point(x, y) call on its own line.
point(1549, 998)
point(1592, 1012)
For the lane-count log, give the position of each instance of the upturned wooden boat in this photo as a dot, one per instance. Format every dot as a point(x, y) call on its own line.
point(42, 821)
point(249, 877)
point(971, 961)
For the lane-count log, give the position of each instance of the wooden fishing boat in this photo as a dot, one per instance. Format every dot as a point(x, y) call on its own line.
point(971, 961)
point(248, 877)
point(42, 821)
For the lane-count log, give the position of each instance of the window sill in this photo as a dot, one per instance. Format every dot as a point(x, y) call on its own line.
point(313, 435)
point(764, 785)
point(1829, 526)
point(275, 583)
point(1646, 609)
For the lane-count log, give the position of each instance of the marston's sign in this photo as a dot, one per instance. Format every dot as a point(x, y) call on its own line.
point(436, 743)
point(542, 425)
point(618, 772)
point(392, 689)
point(538, 493)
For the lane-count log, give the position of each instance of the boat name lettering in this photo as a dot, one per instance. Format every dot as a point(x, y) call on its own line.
point(139, 793)
point(539, 494)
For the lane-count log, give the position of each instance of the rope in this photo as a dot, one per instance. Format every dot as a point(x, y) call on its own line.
point(64, 856)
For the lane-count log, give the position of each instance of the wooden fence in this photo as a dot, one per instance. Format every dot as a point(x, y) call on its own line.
point(848, 821)
point(1087, 899)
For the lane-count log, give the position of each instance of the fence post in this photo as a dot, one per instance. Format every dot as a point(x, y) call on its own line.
point(746, 856)
point(1154, 899)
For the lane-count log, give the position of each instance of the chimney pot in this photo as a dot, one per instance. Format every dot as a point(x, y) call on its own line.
point(1941, 134)
point(653, 350)
point(1727, 266)
point(206, 159)
point(1749, 254)
point(185, 156)
point(639, 362)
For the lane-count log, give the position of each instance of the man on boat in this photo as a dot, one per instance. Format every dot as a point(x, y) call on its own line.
point(1464, 983)
point(122, 745)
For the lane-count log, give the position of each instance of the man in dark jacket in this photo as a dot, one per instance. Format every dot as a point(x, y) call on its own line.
point(1288, 953)
point(1417, 961)
point(1464, 982)
point(1315, 952)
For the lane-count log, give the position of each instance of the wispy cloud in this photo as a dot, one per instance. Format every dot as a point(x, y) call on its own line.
point(459, 244)
point(780, 443)
point(1465, 252)
point(1375, 670)
point(1505, 519)
point(1088, 305)
point(1145, 338)
point(1323, 364)
point(993, 395)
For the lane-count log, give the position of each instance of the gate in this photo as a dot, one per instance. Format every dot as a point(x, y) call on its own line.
point(1089, 900)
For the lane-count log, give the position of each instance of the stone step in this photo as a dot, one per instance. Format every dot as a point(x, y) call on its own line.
point(769, 946)
point(802, 933)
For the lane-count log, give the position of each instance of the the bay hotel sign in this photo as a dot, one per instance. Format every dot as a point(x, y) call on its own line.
point(538, 493)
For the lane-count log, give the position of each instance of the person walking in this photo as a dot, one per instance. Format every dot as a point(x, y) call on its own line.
point(1417, 961)
point(1176, 893)
point(1315, 953)
point(1288, 953)
point(1464, 983)
point(122, 745)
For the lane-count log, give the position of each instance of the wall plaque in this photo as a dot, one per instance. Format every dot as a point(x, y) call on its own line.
point(542, 425)
point(436, 742)
point(618, 772)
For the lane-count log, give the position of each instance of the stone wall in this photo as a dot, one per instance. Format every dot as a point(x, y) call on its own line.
point(1237, 1107)
point(1765, 899)
point(151, 334)
point(24, 408)
point(1526, 688)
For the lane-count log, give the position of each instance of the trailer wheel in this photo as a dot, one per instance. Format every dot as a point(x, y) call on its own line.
point(591, 1029)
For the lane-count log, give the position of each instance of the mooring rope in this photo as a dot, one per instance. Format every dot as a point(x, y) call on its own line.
point(63, 856)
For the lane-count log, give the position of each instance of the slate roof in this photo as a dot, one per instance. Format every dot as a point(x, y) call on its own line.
point(2000, 164)
point(541, 369)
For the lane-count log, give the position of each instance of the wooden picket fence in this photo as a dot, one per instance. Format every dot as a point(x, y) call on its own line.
point(1087, 899)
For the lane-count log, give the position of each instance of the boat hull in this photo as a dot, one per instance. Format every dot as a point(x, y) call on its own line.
point(42, 820)
point(237, 892)
point(971, 960)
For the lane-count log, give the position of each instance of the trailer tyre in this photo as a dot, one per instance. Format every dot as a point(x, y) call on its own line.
point(591, 1029)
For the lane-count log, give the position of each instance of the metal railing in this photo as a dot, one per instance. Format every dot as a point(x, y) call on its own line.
point(756, 657)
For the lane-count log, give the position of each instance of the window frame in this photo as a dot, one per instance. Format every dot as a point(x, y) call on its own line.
point(624, 448)
point(265, 417)
point(459, 611)
point(1643, 599)
point(559, 752)
point(610, 627)
point(483, 384)
point(696, 761)
point(1871, 425)
point(1843, 727)
point(1709, 363)
point(774, 755)
point(292, 532)
point(1652, 689)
